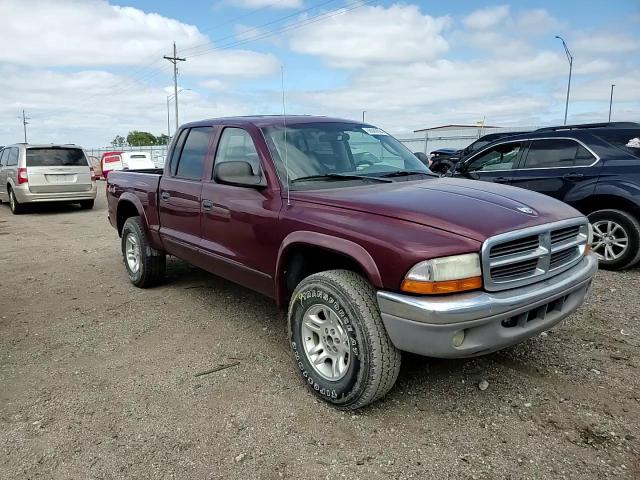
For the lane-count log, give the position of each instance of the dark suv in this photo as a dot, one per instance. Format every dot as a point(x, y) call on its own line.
point(443, 163)
point(595, 168)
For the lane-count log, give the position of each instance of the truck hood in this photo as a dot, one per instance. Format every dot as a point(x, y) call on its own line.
point(475, 209)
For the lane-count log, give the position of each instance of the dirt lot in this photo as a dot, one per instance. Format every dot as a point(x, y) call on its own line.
point(97, 381)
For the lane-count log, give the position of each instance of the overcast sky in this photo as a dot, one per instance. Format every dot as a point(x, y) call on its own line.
point(87, 70)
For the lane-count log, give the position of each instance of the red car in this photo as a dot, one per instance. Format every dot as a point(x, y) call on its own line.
point(370, 254)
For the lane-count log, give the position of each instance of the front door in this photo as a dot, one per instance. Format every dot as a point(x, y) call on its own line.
point(494, 164)
point(237, 221)
point(180, 193)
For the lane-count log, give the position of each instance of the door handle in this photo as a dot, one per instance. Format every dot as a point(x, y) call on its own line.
point(165, 195)
point(573, 176)
point(502, 180)
point(207, 205)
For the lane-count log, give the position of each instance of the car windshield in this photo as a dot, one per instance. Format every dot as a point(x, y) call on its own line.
point(339, 152)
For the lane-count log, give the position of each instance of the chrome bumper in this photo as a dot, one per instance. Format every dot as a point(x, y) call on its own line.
point(489, 321)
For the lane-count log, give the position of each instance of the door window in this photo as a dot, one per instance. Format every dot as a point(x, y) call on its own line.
point(12, 158)
point(236, 145)
point(500, 157)
point(175, 153)
point(554, 153)
point(194, 153)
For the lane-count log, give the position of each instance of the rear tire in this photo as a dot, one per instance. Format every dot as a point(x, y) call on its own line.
point(612, 228)
point(16, 207)
point(145, 265)
point(87, 204)
point(334, 320)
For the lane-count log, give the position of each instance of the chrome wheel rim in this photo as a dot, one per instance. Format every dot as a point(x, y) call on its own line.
point(610, 240)
point(326, 343)
point(132, 253)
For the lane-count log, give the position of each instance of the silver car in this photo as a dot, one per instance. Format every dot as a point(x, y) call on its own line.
point(45, 173)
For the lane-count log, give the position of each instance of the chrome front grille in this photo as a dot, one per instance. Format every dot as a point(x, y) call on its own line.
point(532, 254)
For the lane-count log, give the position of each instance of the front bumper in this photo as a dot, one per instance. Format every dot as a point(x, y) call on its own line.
point(24, 195)
point(490, 320)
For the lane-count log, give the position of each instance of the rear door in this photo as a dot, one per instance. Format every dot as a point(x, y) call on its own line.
point(180, 192)
point(57, 170)
point(494, 164)
point(562, 168)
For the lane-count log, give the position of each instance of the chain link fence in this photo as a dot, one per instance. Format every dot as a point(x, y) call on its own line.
point(424, 142)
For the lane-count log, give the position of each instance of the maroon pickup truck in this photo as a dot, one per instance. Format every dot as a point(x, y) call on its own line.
point(369, 251)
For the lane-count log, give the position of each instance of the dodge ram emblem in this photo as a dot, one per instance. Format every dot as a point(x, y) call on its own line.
point(527, 210)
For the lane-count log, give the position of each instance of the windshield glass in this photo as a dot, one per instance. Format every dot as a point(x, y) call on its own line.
point(319, 149)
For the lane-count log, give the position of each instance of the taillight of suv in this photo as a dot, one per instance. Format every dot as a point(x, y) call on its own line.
point(22, 176)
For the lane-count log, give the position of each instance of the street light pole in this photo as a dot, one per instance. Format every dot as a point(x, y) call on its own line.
point(570, 58)
point(611, 100)
point(363, 112)
point(169, 97)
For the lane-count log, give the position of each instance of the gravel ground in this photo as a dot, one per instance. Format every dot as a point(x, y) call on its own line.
point(97, 380)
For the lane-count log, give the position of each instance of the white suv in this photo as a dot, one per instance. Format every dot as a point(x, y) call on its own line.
point(45, 173)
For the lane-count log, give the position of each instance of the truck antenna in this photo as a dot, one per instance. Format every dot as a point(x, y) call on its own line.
point(284, 121)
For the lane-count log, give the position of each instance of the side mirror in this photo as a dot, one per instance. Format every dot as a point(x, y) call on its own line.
point(238, 173)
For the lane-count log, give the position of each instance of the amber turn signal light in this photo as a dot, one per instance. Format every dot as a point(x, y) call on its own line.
point(446, 286)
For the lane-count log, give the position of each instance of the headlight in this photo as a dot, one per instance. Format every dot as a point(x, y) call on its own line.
point(444, 275)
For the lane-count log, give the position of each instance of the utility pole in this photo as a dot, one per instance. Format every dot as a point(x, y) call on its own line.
point(175, 59)
point(611, 100)
point(570, 58)
point(24, 125)
point(363, 112)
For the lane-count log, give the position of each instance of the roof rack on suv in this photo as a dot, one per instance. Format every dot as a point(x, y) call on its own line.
point(590, 125)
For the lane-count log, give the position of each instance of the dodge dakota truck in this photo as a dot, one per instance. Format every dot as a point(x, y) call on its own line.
point(370, 253)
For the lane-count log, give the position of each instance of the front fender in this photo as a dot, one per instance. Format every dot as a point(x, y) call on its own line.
point(328, 242)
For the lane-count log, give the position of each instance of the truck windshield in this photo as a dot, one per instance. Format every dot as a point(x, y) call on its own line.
point(55, 157)
point(339, 152)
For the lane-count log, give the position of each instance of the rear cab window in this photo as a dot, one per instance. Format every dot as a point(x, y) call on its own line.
point(194, 152)
point(56, 157)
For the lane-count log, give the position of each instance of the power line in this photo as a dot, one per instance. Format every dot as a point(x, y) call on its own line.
point(258, 27)
point(286, 28)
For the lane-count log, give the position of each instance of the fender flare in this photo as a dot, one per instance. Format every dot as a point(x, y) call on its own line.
point(135, 201)
point(336, 244)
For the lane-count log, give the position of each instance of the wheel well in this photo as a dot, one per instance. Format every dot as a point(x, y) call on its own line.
point(125, 210)
point(304, 260)
point(602, 202)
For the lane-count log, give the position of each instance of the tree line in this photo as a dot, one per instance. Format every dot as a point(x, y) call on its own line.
point(140, 139)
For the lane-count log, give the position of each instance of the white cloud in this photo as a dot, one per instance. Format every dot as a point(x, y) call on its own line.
point(602, 43)
point(231, 63)
point(90, 33)
point(485, 18)
point(536, 22)
point(265, 3)
point(373, 35)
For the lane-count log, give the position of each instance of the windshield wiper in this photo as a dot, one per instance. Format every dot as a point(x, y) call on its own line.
point(405, 173)
point(337, 176)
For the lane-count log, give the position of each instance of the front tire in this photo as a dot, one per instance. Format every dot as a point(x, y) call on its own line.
point(145, 265)
point(16, 207)
point(339, 343)
point(616, 239)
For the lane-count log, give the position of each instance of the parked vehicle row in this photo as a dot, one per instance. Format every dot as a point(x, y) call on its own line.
point(112, 161)
point(45, 173)
point(594, 168)
point(369, 251)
